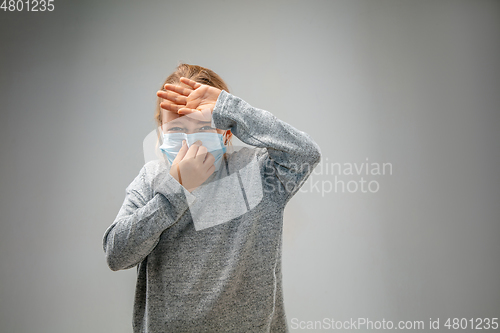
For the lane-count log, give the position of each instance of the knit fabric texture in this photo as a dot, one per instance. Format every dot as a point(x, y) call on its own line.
point(210, 260)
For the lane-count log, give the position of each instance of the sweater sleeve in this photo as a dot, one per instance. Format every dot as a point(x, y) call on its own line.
point(293, 154)
point(144, 215)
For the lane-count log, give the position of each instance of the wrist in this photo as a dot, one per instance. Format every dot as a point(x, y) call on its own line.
point(175, 172)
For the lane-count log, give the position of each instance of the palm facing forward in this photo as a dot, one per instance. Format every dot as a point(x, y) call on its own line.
point(198, 97)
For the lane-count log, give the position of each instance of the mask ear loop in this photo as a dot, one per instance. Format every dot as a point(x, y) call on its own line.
point(159, 143)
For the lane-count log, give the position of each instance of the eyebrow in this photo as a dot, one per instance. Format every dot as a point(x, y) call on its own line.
point(175, 121)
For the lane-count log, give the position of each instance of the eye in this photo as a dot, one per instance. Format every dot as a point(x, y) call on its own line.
point(207, 128)
point(176, 129)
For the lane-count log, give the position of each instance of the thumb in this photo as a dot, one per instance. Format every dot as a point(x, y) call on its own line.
point(182, 152)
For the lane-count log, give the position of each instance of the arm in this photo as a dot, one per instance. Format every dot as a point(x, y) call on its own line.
point(293, 154)
point(144, 215)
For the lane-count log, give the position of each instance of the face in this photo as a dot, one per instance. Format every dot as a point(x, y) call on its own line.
point(190, 123)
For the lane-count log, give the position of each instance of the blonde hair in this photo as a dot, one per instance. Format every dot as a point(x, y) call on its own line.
point(196, 73)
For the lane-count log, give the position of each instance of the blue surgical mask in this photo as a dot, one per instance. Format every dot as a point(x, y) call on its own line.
point(214, 142)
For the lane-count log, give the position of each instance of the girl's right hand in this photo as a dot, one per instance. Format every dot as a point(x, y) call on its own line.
point(192, 166)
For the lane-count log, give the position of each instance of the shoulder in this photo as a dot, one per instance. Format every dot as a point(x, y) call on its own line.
point(241, 157)
point(250, 161)
point(148, 175)
point(154, 167)
point(153, 171)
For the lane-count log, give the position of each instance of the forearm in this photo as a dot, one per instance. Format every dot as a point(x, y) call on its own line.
point(293, 152)
point(141, 220)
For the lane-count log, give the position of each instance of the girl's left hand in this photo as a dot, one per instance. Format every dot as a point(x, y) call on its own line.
point(197, 97)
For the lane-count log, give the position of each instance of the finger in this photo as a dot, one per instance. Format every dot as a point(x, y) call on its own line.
point(201, 154)
point(191, 83)
point(211, 170)
point(178, 89)
point(182, 152)
point(184, 110)
point(191, 153)
point(169, 106)
point(172, 96)
point(210, 159)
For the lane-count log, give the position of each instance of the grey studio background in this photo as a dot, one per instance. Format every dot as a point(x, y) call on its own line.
point(410, 83)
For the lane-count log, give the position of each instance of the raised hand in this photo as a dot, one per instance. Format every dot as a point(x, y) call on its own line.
point(181, 100)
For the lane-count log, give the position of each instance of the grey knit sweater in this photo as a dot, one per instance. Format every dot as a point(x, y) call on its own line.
point(210, 260)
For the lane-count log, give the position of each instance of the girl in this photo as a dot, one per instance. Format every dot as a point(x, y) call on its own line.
point(204, 227)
